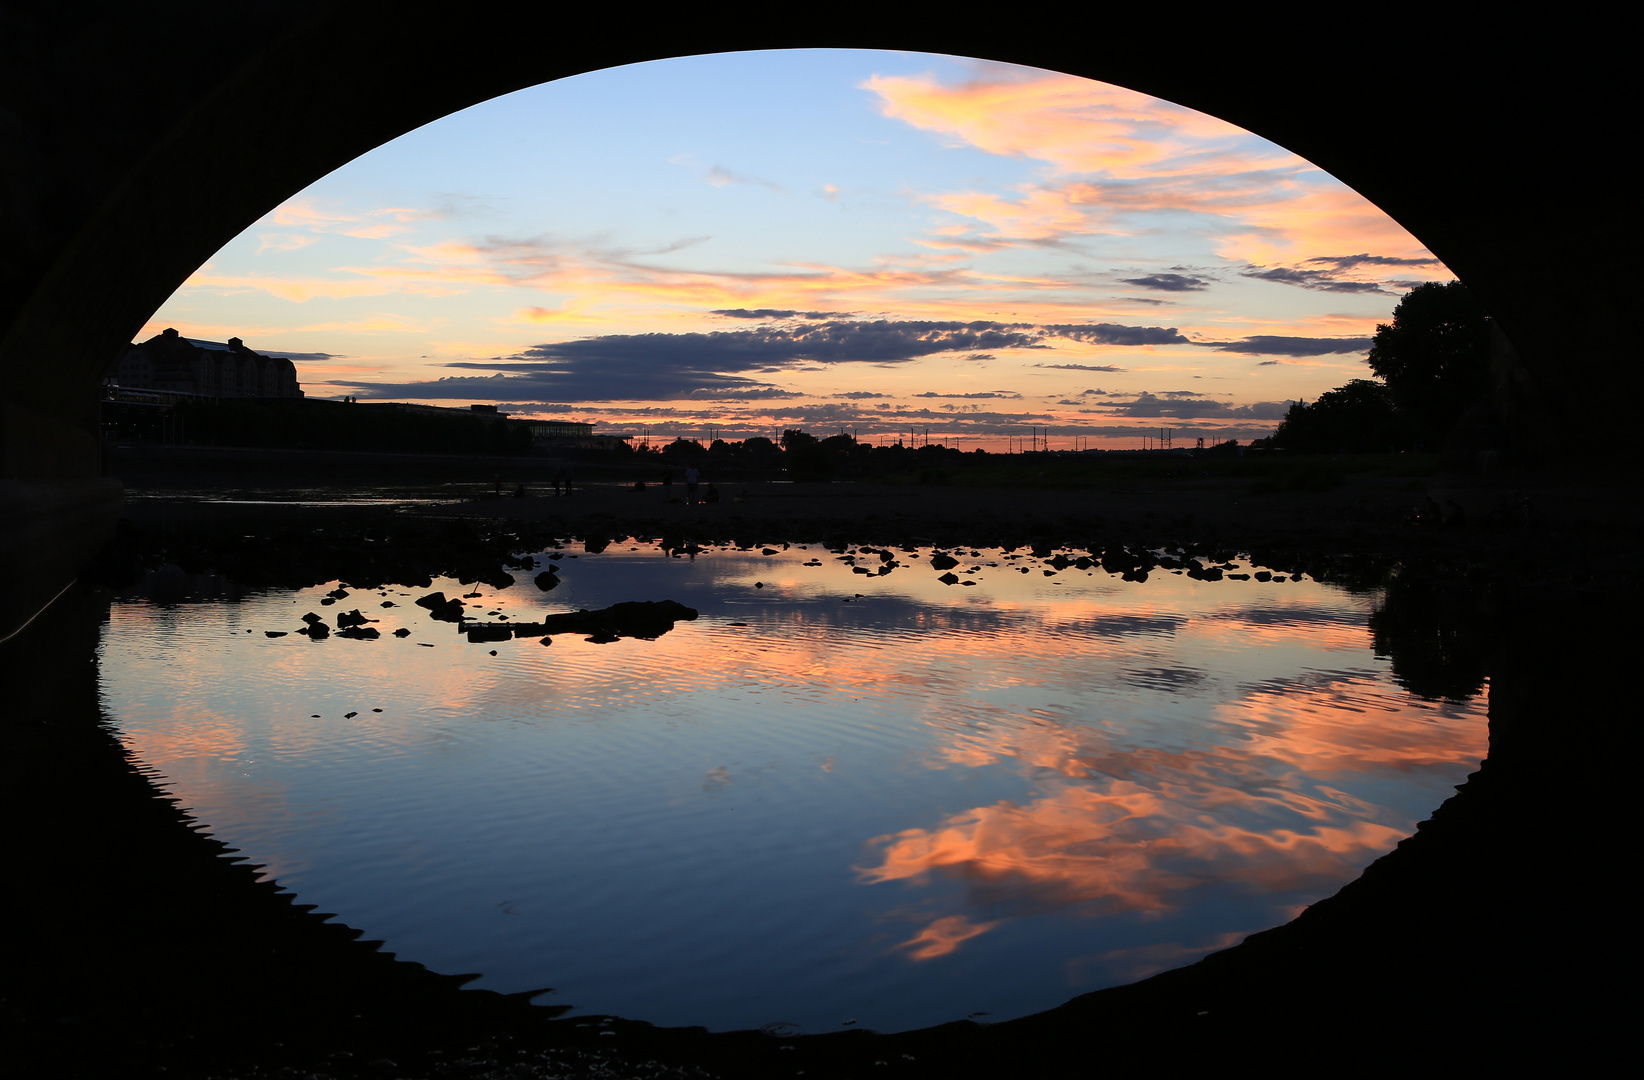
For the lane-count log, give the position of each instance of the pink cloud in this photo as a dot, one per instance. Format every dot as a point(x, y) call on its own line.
point(1114, 156)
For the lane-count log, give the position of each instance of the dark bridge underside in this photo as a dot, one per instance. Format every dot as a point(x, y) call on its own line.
point(137, 139)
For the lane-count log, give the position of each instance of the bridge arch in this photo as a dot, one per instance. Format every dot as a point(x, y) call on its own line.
point(137, 139)
point(147, 144)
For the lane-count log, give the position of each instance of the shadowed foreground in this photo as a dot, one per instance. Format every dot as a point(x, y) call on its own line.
point(1488, 937)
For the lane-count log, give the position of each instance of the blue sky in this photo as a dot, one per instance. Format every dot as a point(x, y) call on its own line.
point(822, 238)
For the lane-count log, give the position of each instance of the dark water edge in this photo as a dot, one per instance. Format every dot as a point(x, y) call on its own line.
point(1493, 935)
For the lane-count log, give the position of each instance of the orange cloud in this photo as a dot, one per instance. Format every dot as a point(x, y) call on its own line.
point(305, 213)
point(1077, 125)
point(1133, 155)
point(283, 242)
point(308, 214)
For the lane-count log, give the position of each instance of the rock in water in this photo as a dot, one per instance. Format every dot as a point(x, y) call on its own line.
point(943, 562)
point(442, 609)
point(949, 578)
point(547, 580)
point(644, 619)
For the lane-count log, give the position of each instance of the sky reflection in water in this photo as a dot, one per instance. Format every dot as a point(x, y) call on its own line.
point(928, 802)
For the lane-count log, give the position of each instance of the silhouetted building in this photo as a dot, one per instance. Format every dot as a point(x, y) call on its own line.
point(545, 434)
point(175, 364)
point(542, 430)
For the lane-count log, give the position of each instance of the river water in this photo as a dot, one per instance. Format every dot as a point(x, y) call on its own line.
point(833, 799)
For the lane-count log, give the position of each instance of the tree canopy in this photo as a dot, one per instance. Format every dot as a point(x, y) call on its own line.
point(1357, 418)
point(1433, 361)
point(1434, 355)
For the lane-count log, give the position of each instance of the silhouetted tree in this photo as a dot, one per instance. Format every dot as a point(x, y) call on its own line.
point(683, 449)
point(1357, 418)
point(806, 458)
point(1434, 356)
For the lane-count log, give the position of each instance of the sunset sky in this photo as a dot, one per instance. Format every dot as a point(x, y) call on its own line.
point(823, 239)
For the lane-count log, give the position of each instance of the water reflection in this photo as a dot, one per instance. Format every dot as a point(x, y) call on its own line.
point(834, 795)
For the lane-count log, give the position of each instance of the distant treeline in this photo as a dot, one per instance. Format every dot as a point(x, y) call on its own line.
point(802, 456)
point(805, 457)
point(309, 424)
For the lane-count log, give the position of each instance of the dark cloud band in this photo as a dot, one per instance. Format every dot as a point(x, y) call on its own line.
point(739, 364)
point(1183, 405)
point(1318, 280)
point(1278, 345)
point(1168, 282)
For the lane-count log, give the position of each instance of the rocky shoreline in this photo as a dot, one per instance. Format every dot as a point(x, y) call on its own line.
point(1536, 528)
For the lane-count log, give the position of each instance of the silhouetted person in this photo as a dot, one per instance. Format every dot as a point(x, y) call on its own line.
point(569, 478)
point(559, 481)
point(667, 478)
point(712, 494)
point(691, 479)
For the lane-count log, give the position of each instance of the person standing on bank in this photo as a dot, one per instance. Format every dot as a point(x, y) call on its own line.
point(691, 478)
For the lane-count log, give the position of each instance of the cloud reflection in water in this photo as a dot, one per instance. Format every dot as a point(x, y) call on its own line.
point(928, 802)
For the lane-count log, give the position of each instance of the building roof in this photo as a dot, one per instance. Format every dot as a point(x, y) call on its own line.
point(219, 346)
